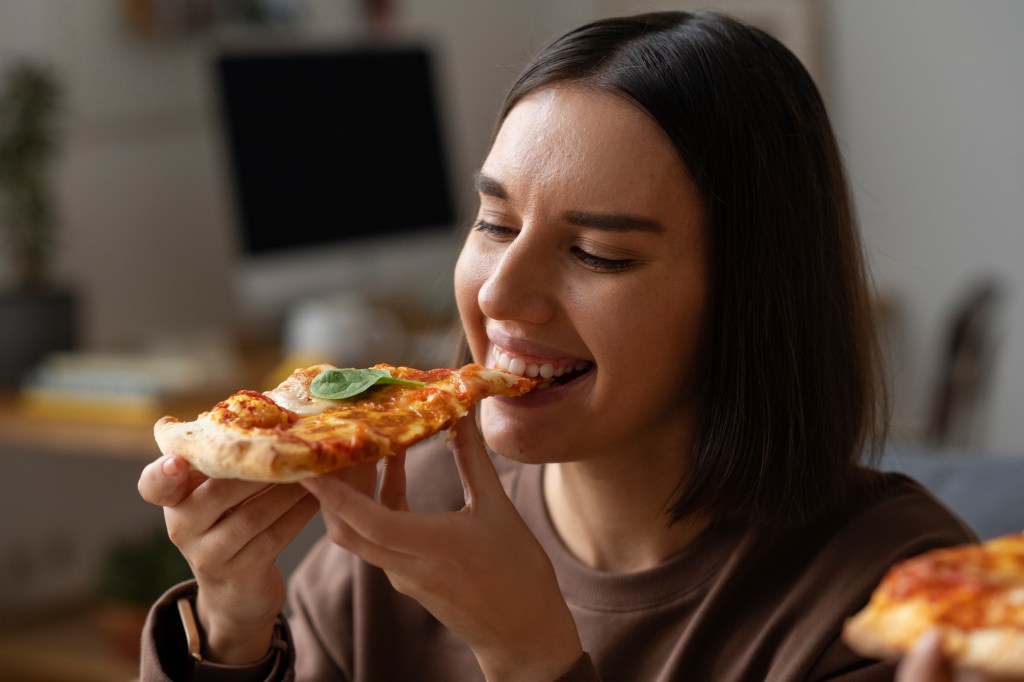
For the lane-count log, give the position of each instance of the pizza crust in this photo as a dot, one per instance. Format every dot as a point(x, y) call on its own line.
point(221, 452)
point(887, 633)
point(287, 434)
point(888, 627)
point(999, 653)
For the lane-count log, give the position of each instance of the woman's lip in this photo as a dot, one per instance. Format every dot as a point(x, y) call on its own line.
point(528, 349)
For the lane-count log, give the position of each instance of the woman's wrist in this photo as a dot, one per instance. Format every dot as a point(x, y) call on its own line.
point(233, 643)
point(238, 648)
point(549, 663)
point(547, 668)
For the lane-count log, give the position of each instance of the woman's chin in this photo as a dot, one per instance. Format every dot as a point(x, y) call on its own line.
point(511, 438)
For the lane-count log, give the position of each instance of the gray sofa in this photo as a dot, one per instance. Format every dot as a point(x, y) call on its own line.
point(984, 490)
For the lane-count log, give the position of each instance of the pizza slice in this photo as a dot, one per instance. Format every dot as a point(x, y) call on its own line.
point(294, 431)
point(972, 594)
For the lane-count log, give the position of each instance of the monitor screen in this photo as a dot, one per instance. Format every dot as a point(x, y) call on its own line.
point(331, 145)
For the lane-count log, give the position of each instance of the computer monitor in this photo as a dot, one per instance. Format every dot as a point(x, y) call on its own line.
point(338, 163)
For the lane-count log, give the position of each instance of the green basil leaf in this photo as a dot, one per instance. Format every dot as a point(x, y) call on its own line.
point(338, 384)
point(388, 379)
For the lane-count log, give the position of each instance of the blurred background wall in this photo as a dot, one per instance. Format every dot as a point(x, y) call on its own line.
point(926, 97)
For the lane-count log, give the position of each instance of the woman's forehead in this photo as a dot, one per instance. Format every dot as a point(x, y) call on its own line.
point(588, 143)
point(571, 116)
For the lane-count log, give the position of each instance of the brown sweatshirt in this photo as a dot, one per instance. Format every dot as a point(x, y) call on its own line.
point(737, 604)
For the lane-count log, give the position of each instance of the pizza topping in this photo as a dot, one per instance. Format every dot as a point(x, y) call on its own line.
point(972, 595)
point(338, 384)
point(251, 410)
point(967, 586)
point(288, 433)
point(293, 393)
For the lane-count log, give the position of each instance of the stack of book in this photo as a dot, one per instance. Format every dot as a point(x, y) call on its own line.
point(121, 388)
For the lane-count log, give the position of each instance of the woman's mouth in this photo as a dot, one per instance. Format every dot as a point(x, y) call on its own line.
point(546, 372)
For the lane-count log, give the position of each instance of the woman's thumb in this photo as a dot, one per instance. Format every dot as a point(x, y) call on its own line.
point(475, 467)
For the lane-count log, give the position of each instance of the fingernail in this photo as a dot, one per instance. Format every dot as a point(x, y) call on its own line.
point(171, 467)
point(930, 640)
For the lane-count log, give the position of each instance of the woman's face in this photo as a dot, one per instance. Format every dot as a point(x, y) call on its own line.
point(587, 263)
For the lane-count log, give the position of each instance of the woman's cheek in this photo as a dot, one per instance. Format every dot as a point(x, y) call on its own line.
point(471, 272)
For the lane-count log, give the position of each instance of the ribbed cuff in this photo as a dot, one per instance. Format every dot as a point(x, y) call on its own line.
point(582, 670)
point(165, 653)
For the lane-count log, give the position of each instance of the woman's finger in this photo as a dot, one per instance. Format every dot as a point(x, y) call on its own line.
point(215, 498)
point(168, 480)
point(393, 483)
point(475, 467)
point(282, 515)
point(357, 522)
point(213, 551)
point(382, 556)
point(925, 662)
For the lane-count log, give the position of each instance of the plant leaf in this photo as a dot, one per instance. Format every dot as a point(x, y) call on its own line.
point(338, 384)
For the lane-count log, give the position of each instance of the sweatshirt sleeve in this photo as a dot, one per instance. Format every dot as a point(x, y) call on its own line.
point(582, 670)
point(165, 651)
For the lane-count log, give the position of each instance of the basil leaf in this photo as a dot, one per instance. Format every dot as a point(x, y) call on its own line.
point(338, 384)
point(335, 384)
point(388, 379)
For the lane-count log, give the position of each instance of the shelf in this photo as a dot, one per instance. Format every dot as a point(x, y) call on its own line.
point(18, 430)
point(120, 429)
point(70, 648)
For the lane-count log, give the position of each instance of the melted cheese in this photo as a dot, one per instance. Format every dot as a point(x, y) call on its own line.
point(384, 420)
point(969, 587)
point(293, 393)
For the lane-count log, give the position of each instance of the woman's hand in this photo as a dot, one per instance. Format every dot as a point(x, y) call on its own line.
point(479, 570)
point(230, 532)
point(926, 662)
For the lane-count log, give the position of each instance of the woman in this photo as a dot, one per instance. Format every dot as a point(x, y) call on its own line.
point(664, 222)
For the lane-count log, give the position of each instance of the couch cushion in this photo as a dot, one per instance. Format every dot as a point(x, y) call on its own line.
point(985, 491)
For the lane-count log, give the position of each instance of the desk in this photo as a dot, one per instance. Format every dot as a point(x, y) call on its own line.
point(120, 434)
point(69, 648)
point(74, 437)
point(71, 486)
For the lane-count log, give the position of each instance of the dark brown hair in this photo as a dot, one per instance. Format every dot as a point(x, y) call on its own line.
point(792, 392)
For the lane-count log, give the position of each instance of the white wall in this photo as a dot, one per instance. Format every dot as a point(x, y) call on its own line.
point(146, 221)
point(927, 96)
point(144, 235)
point(928, 100)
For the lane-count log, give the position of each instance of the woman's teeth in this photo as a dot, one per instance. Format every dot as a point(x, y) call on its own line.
point(545, 371)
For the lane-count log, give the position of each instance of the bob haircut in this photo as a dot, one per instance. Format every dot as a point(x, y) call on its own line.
point(791, 389)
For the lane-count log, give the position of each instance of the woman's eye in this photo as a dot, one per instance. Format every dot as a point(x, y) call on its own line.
point(493, 230)
point(596, 263)
point(601, 264)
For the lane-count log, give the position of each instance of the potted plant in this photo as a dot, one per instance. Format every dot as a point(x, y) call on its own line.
point(133, 574)
point(35, 317)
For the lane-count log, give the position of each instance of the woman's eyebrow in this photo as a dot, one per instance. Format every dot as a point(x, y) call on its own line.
point(613, 222)
point(485, 184)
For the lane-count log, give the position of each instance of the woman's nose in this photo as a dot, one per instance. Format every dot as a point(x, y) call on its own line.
point(520, 285)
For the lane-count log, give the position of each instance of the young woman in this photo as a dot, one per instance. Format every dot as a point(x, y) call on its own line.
point(664, 224)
